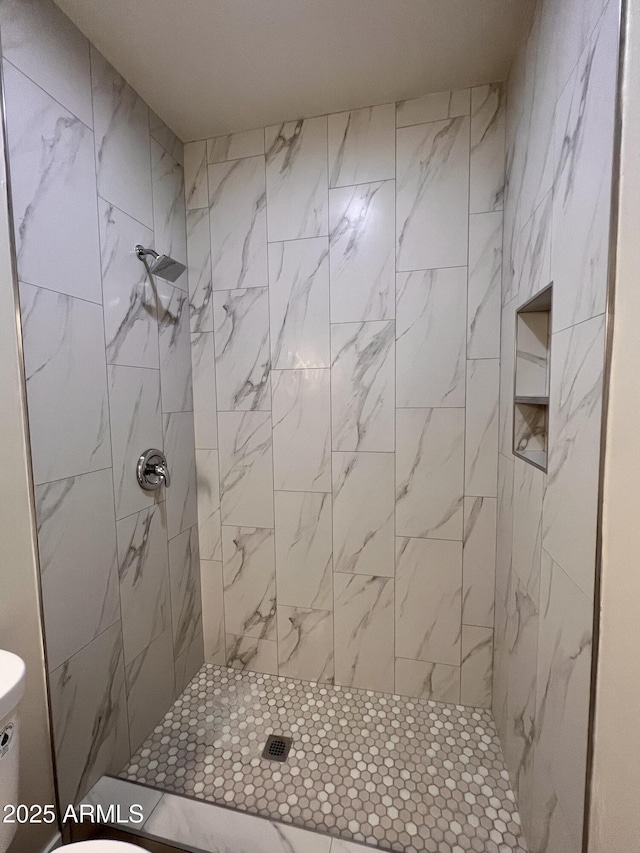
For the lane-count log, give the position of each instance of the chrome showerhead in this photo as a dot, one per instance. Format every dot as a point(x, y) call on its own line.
point(161, 265)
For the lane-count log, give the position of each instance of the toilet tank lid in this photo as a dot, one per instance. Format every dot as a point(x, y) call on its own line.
point(12, 671)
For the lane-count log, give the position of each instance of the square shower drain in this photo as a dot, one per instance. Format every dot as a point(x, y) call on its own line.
point(277, 748)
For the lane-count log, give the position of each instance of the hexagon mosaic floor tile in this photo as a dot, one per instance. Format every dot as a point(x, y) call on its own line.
point(400, 774)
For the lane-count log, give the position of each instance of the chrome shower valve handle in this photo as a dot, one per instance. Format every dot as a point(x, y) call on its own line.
point(152, 470)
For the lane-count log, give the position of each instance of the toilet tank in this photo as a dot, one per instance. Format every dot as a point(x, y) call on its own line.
point(12, 672)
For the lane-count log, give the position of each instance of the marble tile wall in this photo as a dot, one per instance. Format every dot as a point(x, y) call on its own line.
point(560, 141)
point(108, 364)
point(344, 279)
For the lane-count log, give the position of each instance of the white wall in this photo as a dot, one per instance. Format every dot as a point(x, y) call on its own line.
point(20, 630)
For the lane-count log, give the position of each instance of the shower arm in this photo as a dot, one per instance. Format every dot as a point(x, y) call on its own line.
point(141, 252)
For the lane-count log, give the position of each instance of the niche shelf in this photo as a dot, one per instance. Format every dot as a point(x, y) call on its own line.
point(531, 379)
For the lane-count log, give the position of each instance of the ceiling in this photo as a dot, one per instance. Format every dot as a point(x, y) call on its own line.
point(209, 67)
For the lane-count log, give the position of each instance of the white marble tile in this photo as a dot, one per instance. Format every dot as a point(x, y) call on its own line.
point(428, 600)
point(42, 42)
point(431, 338)
point(481, 432)
point(150, 688)
point(199, 270)
point(144, 579)
point(237, 212)
point(222, 830)
point(241, 326)
point(299, 303)
point(532, 252)
point(136, 424)
point(163, 134)
point(174, 341)
point(211, 584)
point(532, 354)
point(362, 146)
point(507, 367)
point(362, 252)
point(564, 678)
point(425, 680)
point(528, 492)
point(433, 107)
point(362, 386)
point(575, 20)
point(432, 202)
point(130, 311)
point(121, 127)
point(483, 298)
point(167, 179)
point(571, 496)
point(78, 562)
point(297, 179)
point(582, 198)
point(89, 715)
point(363, 626)
point(304, 549)
point(182, 510)
point(249, 572)
point(363, 513)
point(196, 190)
point(302, 430)
point(53, 191)
point(205, 415)
point(504, 527)
point(430, 473)
point(476, 670)
point(109, 790)
point(66, 373)
point(305, 644)
point(486, 188)
point(252, 654)
point(186, 599)
point(246, 468)
point(548, 829)
point(235, 146)
point(479, 561)
point(208, 485)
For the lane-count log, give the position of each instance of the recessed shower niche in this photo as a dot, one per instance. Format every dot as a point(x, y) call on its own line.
point(531, 381)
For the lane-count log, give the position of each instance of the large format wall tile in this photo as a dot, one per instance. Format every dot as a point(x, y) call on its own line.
point(253, 654)
point(130, 312)
point(297, 179)
point(433, 107)
point(41, 41)
point(301, 430)
point(208, 489)
point(199, 270)
point(169, 217)
point(528, 492)
point(362, 242)
point(136, 425)
point(429, 473)
point(432, 206)
point(487, 148)
point(182, 510)
point(78, 562)
point(246, 468)
point(481, 428)
point(238, 224)
point(362, 386)
point(121, 126)
point(476, 667)
point(304, 549)
point(89, 715)
point(205, 415)
point(66, 374)
point(175, 348)
point(299, 303)
point(249, 572)
point(150, 687)
point(362, 146)
point(144, 579)
point(485, 270)
point(211, 584)
point(241, 326)
point(431, 338)
point(479, 561)
point(196, 190)
point(166, 138)
point(363, 625)
point(186, 606)
point(571, 496)
point(235, 146)
point(305, 644)
point(363, 517)
point(428, 600)
point(425, 680)
point(53, 191)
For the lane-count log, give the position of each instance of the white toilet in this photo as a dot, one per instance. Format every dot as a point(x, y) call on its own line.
point(12, 673)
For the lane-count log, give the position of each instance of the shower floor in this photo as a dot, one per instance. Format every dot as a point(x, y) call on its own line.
point(396, 773)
